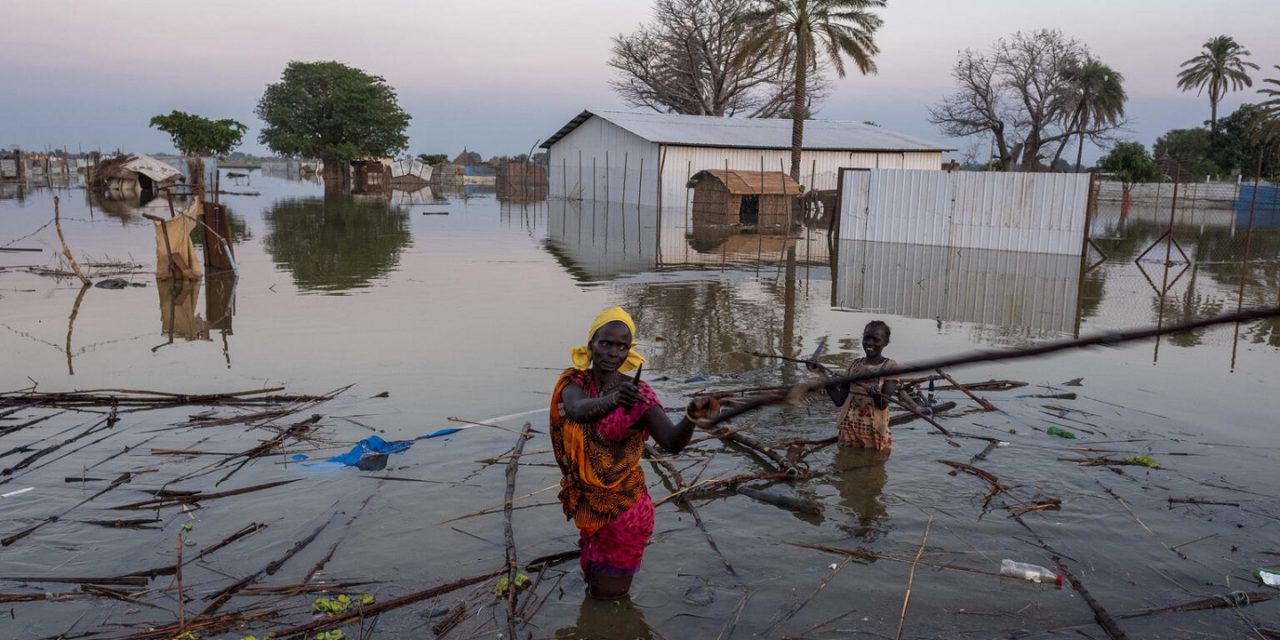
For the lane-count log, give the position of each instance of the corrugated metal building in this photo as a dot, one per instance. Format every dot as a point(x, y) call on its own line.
point(648, 158)
point(1033, 212)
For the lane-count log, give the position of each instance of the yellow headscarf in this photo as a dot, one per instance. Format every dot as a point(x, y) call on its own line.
point(581, 354)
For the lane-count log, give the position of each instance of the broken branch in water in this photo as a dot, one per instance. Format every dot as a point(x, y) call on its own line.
point(1100, 615)
point(373, 609)
point(656, 458)
point(512, 588)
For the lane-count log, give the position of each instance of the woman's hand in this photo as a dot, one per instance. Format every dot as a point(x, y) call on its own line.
point(626, 395)
point(703, 408)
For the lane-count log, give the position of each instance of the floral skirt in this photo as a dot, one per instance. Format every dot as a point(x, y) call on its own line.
point(617, 548)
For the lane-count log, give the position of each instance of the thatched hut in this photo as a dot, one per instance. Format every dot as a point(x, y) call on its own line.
point(761, 199)
point(521, 180)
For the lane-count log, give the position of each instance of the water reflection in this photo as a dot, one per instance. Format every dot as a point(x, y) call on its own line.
point(337, 244)
point(860, 477)
point(178, 316)
point(607, 620)
point(1018, 296)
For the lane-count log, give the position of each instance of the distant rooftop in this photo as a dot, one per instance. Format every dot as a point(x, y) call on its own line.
point(751, 133)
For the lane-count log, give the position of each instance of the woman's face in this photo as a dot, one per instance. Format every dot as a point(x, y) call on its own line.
point(610, 346)
point(874, 340)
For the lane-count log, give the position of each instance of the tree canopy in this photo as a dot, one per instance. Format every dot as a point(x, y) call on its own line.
point(1191, 148)
point(1028, 94)
point(1130, 163)
point(194, 135)
point(433, 159)
point(803, 34)
point(1220, 67)
point(689, 59)
point(331, 111)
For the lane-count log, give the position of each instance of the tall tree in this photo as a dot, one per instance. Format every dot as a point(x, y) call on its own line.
point(1271, 107)
point(804, 32)
point(196, 136)
point(334, 112)
point(1220, 67)
point(1130, 163)
point(1095, 97)
point(1022, 95)
point(687, 60)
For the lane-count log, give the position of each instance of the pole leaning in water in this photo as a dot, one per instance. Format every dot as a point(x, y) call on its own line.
point(1105, 339)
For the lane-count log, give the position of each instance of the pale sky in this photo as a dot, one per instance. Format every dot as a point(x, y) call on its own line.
point(497, 75)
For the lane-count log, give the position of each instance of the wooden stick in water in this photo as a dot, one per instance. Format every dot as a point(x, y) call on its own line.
point(982, 402)
point(911, 577)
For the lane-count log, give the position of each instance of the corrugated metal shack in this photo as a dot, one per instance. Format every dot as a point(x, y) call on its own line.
point(648, 158)
point(521, 180)
point(761, 199)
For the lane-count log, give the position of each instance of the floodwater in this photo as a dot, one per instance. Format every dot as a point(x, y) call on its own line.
point(457, 305)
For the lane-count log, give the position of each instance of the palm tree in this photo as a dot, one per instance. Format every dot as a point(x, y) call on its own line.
point(1094, 97)
point(800, 32)
point(1271, 108)
point(1221, 67)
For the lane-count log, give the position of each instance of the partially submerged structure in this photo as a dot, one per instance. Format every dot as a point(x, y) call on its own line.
point(410, 174)
point(647, 158)
point(760, 199)
point(521, 180)
point(133, 174)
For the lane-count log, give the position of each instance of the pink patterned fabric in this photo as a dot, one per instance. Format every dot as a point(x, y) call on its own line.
point(617, 549)
point(616, 426)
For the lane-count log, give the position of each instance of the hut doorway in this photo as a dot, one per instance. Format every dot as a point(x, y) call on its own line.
point(749, 210)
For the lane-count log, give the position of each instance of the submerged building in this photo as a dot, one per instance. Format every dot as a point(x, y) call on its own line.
point(649, 158)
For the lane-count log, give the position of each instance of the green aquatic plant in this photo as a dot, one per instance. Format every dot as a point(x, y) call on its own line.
point(326, 605)
point(500, 590)
point(1143, 461)
point(332, 634)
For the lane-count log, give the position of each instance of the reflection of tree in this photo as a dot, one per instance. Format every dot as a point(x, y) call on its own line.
point(709, 327)
point(338, 243)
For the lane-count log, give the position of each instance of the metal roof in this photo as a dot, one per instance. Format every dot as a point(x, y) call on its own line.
point(750, 182)
point(751, 133)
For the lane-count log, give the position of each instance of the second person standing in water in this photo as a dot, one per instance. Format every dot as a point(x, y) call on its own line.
point(863, 421)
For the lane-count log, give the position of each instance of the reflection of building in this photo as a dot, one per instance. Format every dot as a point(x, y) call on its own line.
point(1026, 293)
point(647, 158)
point(599, 240)
point(760, 199)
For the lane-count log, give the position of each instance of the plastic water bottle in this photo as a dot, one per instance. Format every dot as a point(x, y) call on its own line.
point(1034, 573)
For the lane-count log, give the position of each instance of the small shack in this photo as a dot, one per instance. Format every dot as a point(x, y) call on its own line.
point(130, 174)
point(521, 180)
point(760, 199)
point(448, 174)
point(410, 174)
point(370, 177)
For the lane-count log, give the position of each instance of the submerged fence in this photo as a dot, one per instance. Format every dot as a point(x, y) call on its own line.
point(1034, 212)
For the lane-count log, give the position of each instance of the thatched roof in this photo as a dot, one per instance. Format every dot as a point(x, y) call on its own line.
point(750, 182)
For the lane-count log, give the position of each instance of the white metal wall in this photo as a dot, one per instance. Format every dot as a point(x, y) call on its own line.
point(1026, 295)
point(1032, 212)
point(818, 169)
point(603, 162)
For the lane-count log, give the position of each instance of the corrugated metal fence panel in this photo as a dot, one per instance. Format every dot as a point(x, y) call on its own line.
point(1031, 212)
point(1027, 295)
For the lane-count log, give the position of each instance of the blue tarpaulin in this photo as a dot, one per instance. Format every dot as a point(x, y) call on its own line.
point(375, 445)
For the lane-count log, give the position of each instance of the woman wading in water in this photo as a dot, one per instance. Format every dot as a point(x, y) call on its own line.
point(600, 419)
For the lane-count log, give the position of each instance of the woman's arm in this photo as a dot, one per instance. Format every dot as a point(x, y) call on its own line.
point(581, 409)
point(673, 437)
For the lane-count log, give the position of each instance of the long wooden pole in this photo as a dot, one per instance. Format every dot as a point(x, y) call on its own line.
point(66, 251)
point(1103, 339)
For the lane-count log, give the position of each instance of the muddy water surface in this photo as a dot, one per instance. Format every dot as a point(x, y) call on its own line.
point(471, 314)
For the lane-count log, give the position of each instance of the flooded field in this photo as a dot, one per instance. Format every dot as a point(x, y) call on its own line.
point(436, 307)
